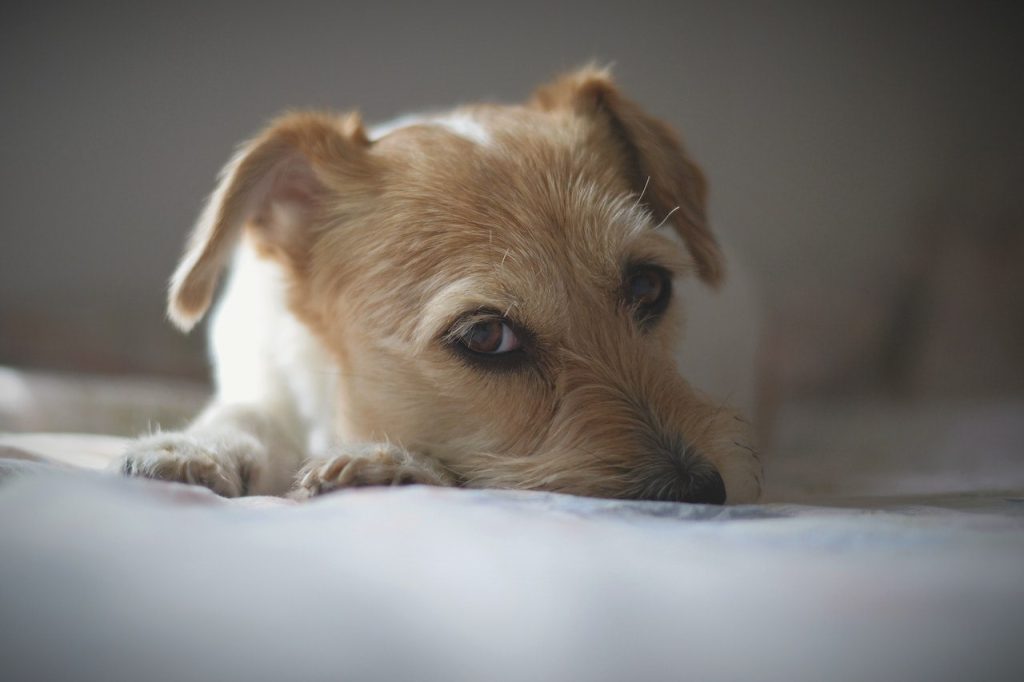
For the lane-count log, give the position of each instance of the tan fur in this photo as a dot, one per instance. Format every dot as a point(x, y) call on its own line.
point(286, 158)
point(387, 243)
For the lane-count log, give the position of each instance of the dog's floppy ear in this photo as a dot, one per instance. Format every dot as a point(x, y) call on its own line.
point(657, 166)
point(273, 184)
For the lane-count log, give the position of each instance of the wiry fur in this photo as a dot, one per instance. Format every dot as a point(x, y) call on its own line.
point(356, 258)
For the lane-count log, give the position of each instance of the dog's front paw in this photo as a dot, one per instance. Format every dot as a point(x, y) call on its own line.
point(221, 467)
point(369, 464)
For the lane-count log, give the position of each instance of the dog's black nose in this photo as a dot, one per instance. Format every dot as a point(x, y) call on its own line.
point(688, 477)
point(706, 487)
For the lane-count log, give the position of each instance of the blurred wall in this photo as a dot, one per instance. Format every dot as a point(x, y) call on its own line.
point(867, 161)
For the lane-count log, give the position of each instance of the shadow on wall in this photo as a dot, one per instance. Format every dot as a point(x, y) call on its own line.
point(950, 322)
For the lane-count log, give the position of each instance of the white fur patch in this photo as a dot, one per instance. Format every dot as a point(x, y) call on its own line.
point(463, 125)
point(263, 355)
point(381, 129)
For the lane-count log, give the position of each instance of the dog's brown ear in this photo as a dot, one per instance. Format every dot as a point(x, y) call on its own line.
point(656, 164)
point(274, 184)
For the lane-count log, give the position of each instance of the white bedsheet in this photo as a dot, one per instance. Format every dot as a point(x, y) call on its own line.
point(103, 578)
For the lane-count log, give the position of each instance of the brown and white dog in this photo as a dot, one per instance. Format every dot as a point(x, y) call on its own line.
point(478, 298)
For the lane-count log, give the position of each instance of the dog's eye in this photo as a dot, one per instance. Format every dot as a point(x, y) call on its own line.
point(487, 341)
point(490, 337)
point(648, 289)
point(645, 287)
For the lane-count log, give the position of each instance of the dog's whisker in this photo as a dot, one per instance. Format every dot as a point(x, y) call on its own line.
point(643, 191)
point(749, 449)
point(665, 219)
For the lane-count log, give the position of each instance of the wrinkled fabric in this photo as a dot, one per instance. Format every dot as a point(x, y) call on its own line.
point(103, 578)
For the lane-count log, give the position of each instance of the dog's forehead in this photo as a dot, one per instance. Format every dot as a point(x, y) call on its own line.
point(504, 208)
point(537, 186)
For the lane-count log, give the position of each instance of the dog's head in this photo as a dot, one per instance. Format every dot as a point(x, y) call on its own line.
point(496, 287)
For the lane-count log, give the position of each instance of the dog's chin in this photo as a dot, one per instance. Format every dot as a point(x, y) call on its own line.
point(735, 479)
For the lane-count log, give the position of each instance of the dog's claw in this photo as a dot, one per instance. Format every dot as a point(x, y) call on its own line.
point(179, 457)
point(375, 464)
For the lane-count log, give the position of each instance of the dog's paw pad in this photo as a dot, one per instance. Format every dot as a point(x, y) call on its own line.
point(370, 465)
point(181, 458)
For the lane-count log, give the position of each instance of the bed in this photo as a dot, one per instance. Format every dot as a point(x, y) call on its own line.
point(104, 578)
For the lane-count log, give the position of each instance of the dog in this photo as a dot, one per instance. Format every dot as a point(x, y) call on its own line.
point(479, 298)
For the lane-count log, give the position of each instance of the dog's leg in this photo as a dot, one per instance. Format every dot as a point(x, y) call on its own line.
point(367, 464)
point(233, 450)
